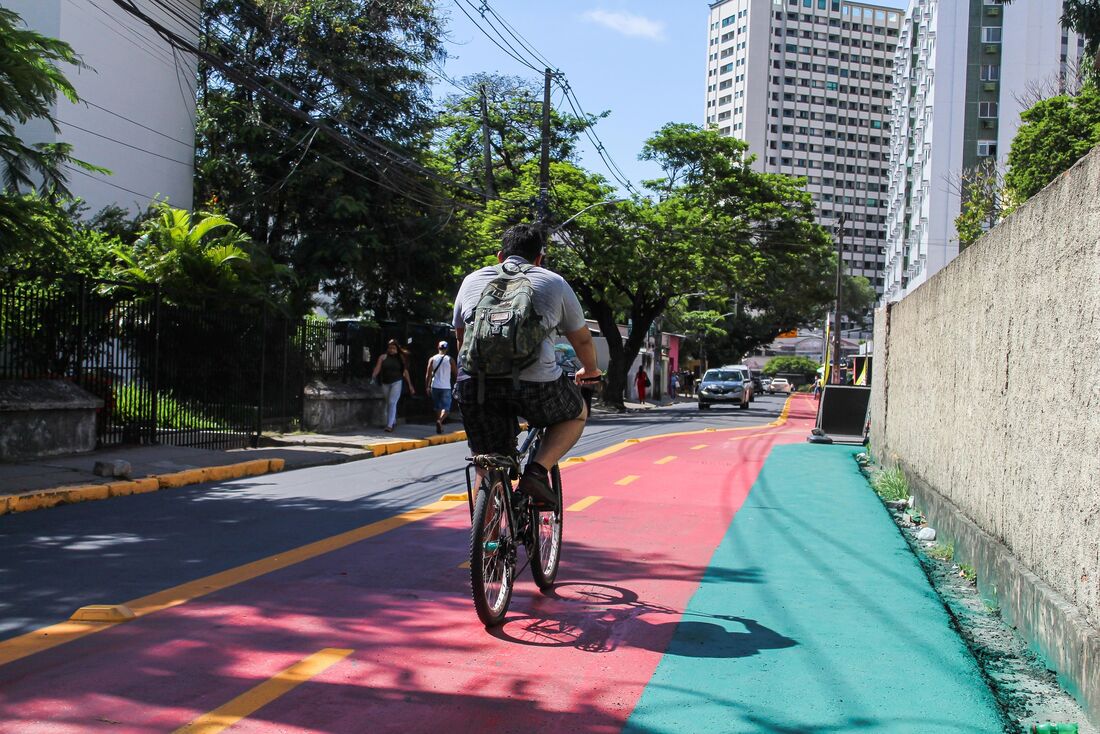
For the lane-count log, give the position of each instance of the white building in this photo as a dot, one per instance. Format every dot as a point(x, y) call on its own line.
point(807, 84)
point(137, 117)
point(961, 71)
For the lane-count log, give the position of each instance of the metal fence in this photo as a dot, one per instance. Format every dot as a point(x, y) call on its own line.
point(209, 374)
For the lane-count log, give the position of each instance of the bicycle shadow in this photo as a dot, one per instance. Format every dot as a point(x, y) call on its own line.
point(601, 618)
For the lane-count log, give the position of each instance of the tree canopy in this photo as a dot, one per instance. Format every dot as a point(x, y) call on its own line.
point(312, 134)
point(1055, 134)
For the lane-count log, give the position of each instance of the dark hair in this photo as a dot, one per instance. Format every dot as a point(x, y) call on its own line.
point(525, 240)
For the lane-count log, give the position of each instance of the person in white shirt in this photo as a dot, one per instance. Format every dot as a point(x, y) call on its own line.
point(440, 377)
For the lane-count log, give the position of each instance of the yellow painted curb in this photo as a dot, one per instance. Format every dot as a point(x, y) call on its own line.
point(47, 498)
point(111, 613)
point(454, 497)
point(137, 486)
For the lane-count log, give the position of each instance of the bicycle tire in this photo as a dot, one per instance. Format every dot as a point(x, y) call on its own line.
point(492, 552)
point(544, 548)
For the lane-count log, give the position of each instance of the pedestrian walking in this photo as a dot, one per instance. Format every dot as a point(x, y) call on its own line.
point(393, 368)
point(440, 379)
point(641, 382)
point(674, 386)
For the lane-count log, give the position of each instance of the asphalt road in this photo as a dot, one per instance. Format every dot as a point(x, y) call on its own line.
point(55, 561)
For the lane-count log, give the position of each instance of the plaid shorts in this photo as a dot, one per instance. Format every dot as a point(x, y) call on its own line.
point(492, 425)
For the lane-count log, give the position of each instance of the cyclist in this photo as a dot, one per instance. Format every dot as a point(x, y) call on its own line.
point(542, 394)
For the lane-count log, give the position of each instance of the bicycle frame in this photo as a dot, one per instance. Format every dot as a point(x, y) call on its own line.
point(512, 463)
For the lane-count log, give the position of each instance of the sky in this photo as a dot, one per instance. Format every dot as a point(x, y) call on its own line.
point(644, 60)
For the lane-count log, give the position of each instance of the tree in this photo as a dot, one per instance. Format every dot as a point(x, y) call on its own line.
point(1055, 134)
point(712, 226)
point(981, 191)
point(313, 129)
point(30, 82)
point(791, 365)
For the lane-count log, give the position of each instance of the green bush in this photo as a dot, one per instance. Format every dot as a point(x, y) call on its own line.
point(791, 365)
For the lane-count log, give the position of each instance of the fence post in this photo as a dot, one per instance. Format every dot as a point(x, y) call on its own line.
point(155, 387)
point(82, 314)
point(263, 370)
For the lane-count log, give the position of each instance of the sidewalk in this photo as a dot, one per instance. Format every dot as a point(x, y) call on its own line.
point(34, 485)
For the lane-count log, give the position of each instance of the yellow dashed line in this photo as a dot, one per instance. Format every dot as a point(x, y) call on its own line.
point(583, 504)
point(665, 460)
point(465, 565)
point(700, 446)
point(251, 701)
point(627, 480)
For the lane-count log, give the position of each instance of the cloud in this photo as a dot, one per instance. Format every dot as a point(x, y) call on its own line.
point(628, 24)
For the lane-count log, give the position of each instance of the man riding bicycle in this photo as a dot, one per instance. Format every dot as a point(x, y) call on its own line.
point(536, 388)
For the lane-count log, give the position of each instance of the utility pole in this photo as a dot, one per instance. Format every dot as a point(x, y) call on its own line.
point(490, 182)
point(836, 316)
point(544, 164)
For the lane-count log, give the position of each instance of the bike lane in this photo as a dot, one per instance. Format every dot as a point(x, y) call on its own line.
point(381, 635)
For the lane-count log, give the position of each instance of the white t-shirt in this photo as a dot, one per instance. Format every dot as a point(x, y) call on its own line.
point(441, 371)
point(555, 303)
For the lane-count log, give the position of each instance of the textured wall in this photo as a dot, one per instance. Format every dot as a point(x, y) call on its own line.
point(987, 385)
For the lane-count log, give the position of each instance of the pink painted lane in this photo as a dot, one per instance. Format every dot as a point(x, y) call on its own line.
point(573, 661)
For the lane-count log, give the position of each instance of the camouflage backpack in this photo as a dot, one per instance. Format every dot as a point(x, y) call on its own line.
point(504, 334)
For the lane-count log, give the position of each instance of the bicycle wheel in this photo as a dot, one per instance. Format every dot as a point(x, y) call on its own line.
point(544, 548)
point(492, 551)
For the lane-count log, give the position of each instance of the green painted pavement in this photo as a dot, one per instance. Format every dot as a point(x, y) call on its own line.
point(814, 616)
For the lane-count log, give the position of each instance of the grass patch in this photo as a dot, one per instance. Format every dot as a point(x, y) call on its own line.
point(131, 406)
point(967, 572)
point(890, 484)
point(942, 551)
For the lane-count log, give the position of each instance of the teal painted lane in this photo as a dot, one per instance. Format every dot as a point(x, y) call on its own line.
point(814, 617)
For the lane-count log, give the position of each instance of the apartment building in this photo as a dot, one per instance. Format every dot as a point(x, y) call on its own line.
point(964, 71)
point(137, 114)
point(807, 83)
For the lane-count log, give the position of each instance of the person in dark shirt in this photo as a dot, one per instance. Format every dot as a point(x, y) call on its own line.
point(393, 368)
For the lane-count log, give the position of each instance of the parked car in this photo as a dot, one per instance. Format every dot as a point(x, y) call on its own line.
point(779, 385)
point(746, 378)
point(723, 386)
point(764, 382)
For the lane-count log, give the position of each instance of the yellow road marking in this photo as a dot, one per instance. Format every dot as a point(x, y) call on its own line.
point(454, 497)
point(251, 701)
point(627, 480)
point(583, 504)
point(465, 564)
point(700, 446)
point(665, 460)
point(58, 634)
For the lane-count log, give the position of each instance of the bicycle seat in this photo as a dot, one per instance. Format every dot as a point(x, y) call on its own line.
point(493, 461)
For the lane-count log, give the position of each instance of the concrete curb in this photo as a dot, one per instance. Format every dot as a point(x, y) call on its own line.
point(45, 498)
point(384, 448)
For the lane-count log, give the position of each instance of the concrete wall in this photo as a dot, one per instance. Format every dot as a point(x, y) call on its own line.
point(138, 114)
point(987, 392)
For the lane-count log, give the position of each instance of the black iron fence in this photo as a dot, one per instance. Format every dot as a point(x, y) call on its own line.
point(210, 374)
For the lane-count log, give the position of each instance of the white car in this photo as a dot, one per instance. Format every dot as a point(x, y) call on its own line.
point(779, 384)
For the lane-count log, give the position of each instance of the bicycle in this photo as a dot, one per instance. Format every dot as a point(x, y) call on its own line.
point(501, 520)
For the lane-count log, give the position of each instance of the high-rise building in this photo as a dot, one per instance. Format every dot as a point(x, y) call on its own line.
point(136, 116)
point(807, 84)
point(964, 70)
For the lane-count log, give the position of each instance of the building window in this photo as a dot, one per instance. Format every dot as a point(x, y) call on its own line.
point(990, 72)
point(987, 148)
point(987, 109)
point(991, 34)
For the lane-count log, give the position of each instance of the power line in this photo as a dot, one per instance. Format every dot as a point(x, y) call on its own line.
point(120, 142)
point(135, 122)
point(146, 197)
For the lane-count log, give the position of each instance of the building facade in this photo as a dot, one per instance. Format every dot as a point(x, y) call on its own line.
point(807, 84)
point(964, 70)
point(137, 114)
